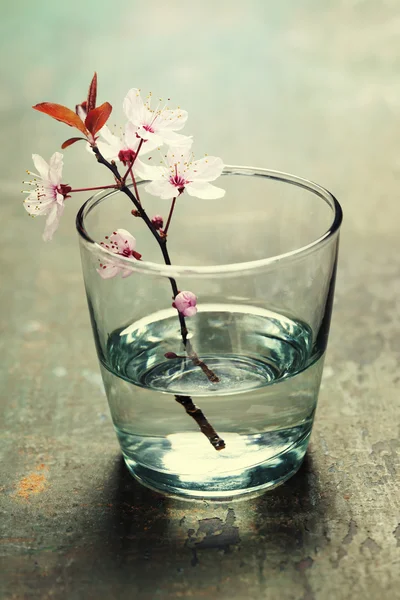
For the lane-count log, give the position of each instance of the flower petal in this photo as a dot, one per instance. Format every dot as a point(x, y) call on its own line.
point(36, 208)
point(106, 135)
point(149, 136)
point(108, 271)
point(126, 273)
point(109, 152)
point(41, 166)
point(53, 221)
point(108, 144)
point(55, 168)
point(206, 169)
point(162, 188)
point(122, 239)
point(127, 238)
point(132, 141)
point(179, 156)
point(146, 171)
point(204, 190)
point(176, 139)
point(134, 108)
point(173, 119)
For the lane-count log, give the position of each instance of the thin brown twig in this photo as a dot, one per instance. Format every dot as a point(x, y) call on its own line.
point(134, 185)
point(132, 163)
point(206, 428)
point(211, 376)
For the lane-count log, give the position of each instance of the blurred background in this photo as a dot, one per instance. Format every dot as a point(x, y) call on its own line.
point(306, 87)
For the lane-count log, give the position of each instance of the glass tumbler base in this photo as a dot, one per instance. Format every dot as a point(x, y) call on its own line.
point(218, 484)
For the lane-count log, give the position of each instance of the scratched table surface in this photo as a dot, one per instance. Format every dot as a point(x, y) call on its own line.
point(306, 87)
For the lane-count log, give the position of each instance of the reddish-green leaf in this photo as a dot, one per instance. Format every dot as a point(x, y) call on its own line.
point(98, 117)
point(92, 94)
point(61, 113)
point(71, 141)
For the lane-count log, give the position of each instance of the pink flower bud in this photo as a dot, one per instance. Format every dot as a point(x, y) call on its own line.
point(170, 355)
point(126, 156)
point(185, 303)
point(157, 221)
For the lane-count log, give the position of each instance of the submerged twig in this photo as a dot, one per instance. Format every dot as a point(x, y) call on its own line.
point(205, 427)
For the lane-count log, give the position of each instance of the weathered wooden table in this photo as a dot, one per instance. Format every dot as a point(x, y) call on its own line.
point(307, 87)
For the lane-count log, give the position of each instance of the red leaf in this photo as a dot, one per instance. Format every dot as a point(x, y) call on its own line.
point(61, 113)
point(98, 117)
point(92, 94)
point(71, 141)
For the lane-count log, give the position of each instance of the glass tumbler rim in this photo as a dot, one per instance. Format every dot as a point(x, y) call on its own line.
point(232, 269)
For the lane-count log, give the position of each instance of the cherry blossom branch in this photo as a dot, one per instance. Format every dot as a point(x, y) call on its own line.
point(205, 427)
point(162, 242)
point(125, 189)
point(171, 211)
point(89, 120)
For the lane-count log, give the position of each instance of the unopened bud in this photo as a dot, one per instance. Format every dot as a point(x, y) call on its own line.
point(185, 303)
point(170, 355)
point(157, 221)
point(135, 212)
point(127, 156)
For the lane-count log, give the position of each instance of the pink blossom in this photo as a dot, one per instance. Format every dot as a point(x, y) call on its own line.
point(181, 173)
point(158, 126)
point(121, 242)
point(157, 222)
point(47, 199)
point(123, 148)
point(185, 303)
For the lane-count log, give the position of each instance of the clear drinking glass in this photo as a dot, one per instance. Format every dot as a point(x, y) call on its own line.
point(262, 264)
